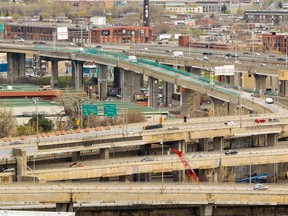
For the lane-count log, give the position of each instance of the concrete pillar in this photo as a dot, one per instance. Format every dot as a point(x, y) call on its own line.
point(116, 82)
point(168, 90)
point(206, 210)
point(102, 82)
point(124, 178)
point(54, 74)
point(283, 87)
point(272, 140)
point(77, 74)
point(179, 176)
point(16, 66)
point(64, 207)
point(220, 108)
point(218, 143)
point(189, 102)
point(76, 156)
point(153, 92)
point(145, 149)
point(203, 145)
point(260, 83)
point(104, 153)
point(145, 177)
point(21, 162)
point(237, 79)
point(130, 85)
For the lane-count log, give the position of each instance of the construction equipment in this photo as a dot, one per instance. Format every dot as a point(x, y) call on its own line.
point(188, 169)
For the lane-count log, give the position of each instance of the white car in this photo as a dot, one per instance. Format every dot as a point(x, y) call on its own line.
point(230, 123)
point(269, 101)
point(260, 187)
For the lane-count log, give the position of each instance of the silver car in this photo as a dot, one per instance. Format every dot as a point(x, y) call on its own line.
point(260, 187)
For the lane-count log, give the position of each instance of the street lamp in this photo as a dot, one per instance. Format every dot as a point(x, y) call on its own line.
point(35, 101)
point(286, 50)
point(162, 173)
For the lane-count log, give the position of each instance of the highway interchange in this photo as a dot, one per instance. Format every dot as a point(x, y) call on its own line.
point(198, 124)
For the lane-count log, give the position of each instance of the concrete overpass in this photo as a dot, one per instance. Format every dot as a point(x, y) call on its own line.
point(221, 95)
point(204, 196)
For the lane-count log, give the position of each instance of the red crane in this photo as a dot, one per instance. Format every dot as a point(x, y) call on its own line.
point(188, 169)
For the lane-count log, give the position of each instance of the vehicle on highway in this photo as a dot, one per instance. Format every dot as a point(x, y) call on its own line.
point(168, 51)
point(15, 143)
point(173, 128)
point(227, 55)
point(281, 59)
point(6, 169)
point(231, 152)
point(234, 56)
point(273, 120)
point(125, 51)
point(132, 58)
point(263, 65)
point(207, 53)
point(147, 159)
point(253, 114)
point(76, 164)
point(178, 54)
point(153, 126)
point(144, 49)
point(260, 187)
point(247, 53)
point(230, 123)
point(205, 58)
point(257, 53)
point(269, 100)
point(260, 120)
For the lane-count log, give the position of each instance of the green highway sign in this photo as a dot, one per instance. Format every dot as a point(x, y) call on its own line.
point(89, 110)
point(1, 28)
point(110, 110)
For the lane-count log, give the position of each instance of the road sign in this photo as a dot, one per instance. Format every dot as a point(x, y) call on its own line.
point(89, 110)
point(1, 27)
point(110, 110)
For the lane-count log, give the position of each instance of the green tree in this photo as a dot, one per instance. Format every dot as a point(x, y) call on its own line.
point(7, 121)
point(44, 124)
point(280, 4)
point(196, 33)
point(223, 8)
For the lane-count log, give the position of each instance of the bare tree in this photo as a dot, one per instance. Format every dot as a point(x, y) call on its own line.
point(7, 121)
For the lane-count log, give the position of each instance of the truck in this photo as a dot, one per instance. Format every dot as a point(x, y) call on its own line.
point(141, 97)
point(152, 126)
point(178, 54)
point(132, 58)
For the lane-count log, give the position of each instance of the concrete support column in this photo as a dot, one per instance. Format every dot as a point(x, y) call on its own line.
point(153, 92)
point(54, 74)
point(145, 149)
point(189, 102)
point(260, 83)
point(124, 178)
point(76, 156)
point(203, 145)
point(237, 79)
point(179, 176)
point(102, 82)
point(21, 162)
point(16, 66)
point(77, 74)
point(220, 108)
point(283, 87)
point(130, 85)
point(206, 210)
point(116, 82)
point(64, 207)
point(272, 140)
point(145, 177)
point(168, 90)
point(104, 153)
point(218, 143)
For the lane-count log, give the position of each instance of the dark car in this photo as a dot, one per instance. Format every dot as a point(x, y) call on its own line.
point(227, 55)
point(15, 143)
point(207, 53)
point(281, 59)
point(273, 120)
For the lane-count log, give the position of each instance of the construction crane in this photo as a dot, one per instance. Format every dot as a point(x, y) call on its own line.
point(188, 169)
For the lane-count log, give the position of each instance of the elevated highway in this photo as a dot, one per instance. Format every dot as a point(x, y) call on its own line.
point(127, 194)
point(157, 71)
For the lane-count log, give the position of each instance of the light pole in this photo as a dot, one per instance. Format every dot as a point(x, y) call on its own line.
point(162, 173)
point(286, 50)
point(189, 42)
point(250, 168)
point(35, 101)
